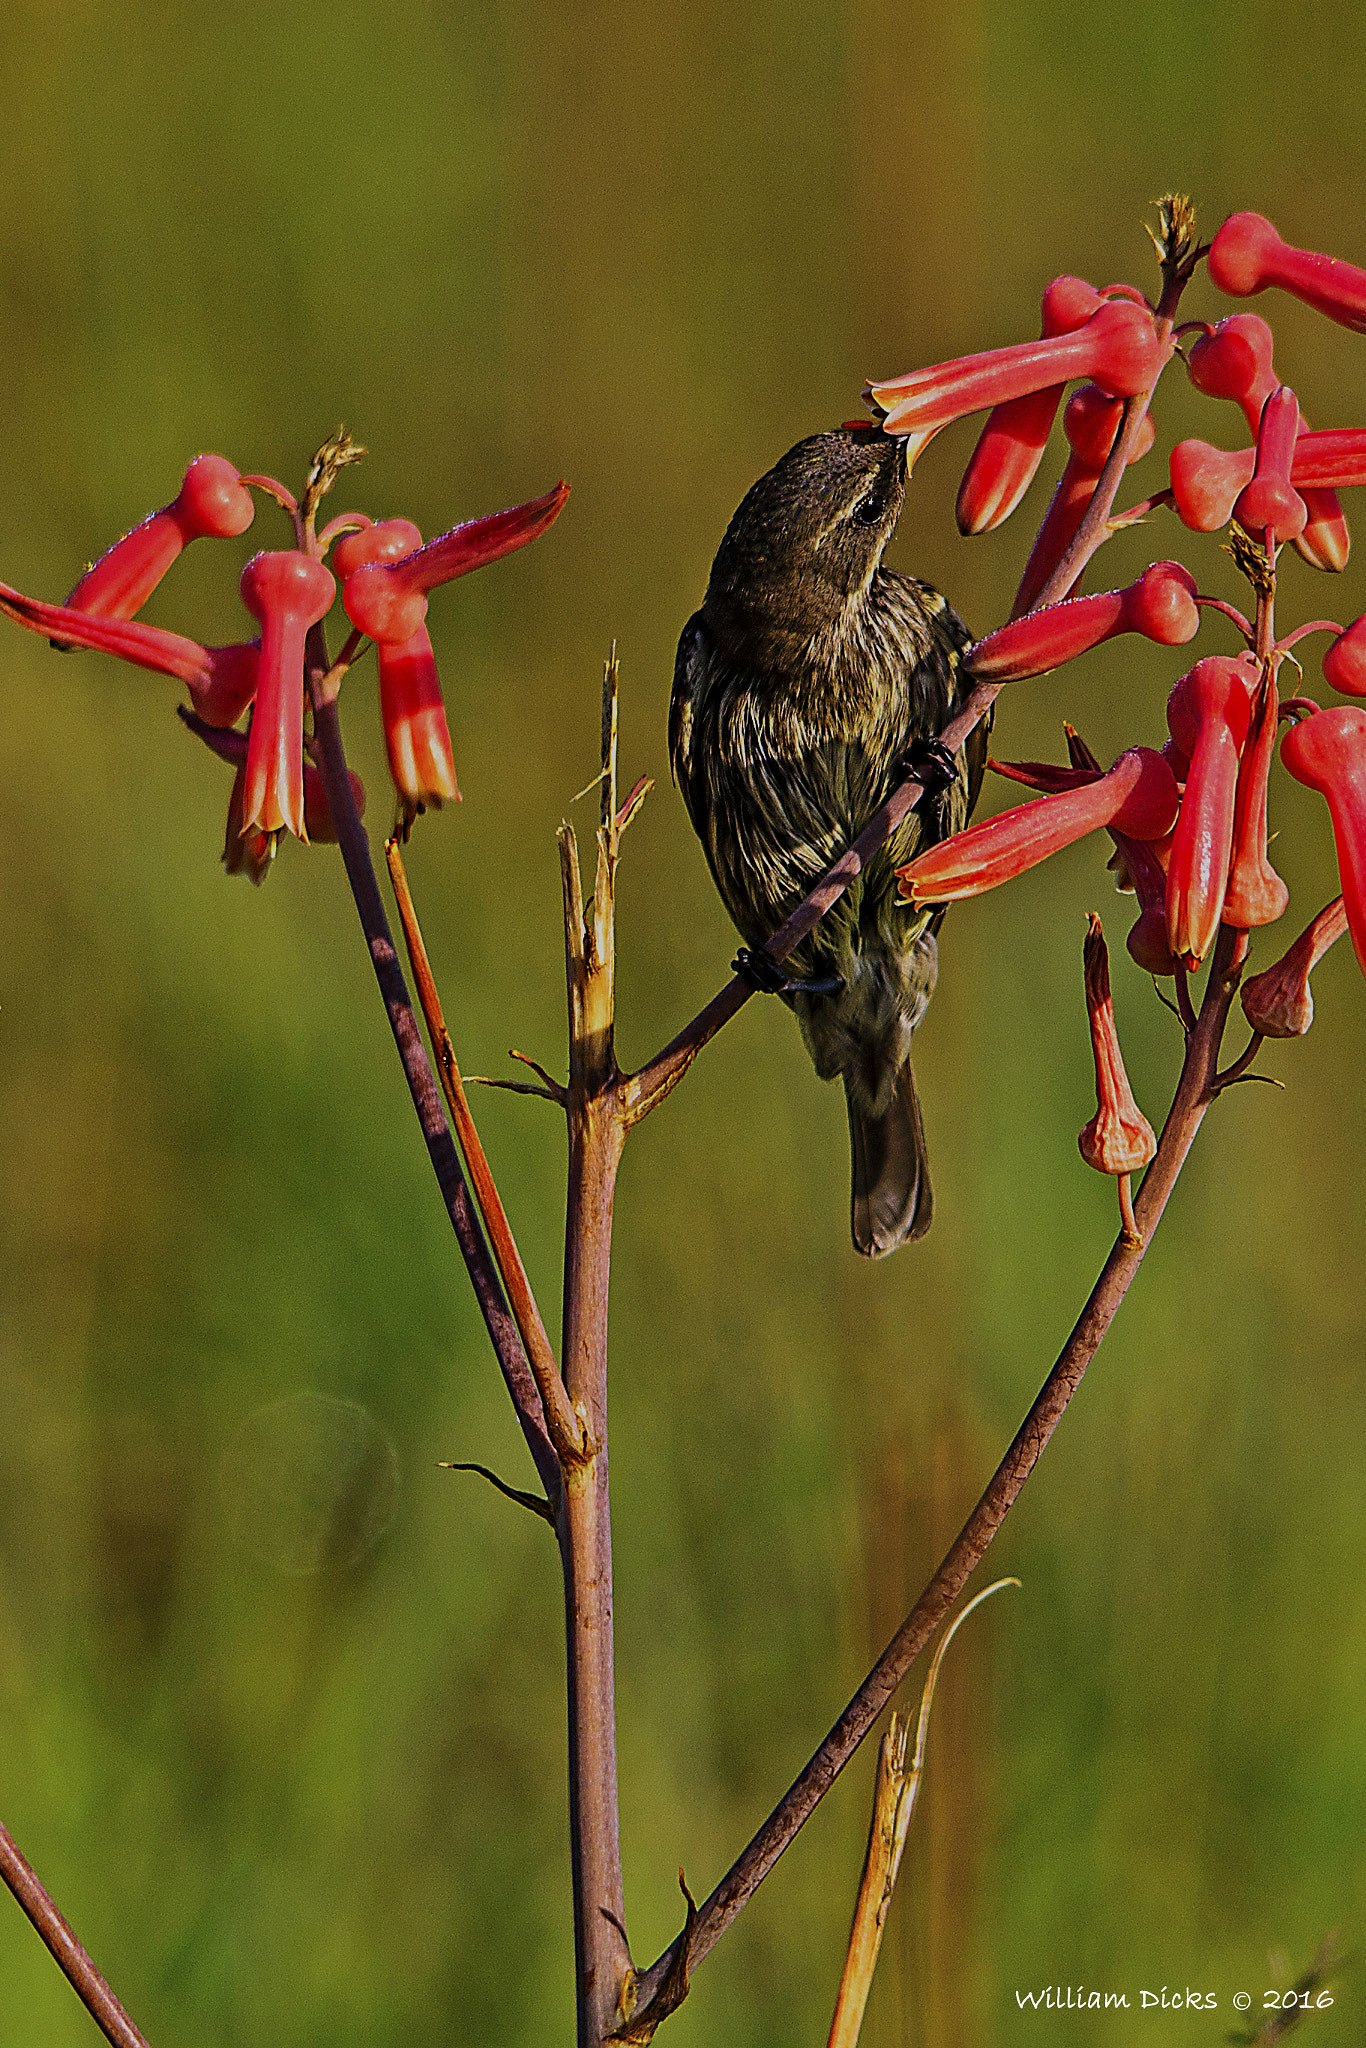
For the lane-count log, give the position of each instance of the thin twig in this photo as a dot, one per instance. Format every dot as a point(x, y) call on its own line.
point(898, 1785)
point(68, 1954)
point(1193, 1097)
point(360, 873)
point(555, 1095)
point(1239, 1067)
point(562, 1424)
point(537, 1502)
point(554, 1088)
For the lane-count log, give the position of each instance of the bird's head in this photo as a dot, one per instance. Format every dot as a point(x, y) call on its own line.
point(807, 541)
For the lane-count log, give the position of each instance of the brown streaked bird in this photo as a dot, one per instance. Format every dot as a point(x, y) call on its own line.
point(812, 682)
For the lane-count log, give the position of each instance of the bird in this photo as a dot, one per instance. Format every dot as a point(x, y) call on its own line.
point(812, 682)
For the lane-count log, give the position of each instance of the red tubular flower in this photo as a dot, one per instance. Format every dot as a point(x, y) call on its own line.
point(1247, 255)
point(416, 735)
point(221, 680)
point(1344, 665)
point(1090, 421)
point(1270, 504)
point(1209, 712)
point(1119, 1138)
point(1256, 895)
point(213, 501)
point(1160, 604)
point(247, 850)
point(1117, 348)
point(388, 600)
point(251, 852)
point(1328, 752)
point(1006, 458)
point(1138, 796)
point(1234, 361)
point(288, 593)
point(1280, 1003)
point(1206, 481)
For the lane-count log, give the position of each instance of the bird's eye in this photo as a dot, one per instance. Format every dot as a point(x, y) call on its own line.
point(870, 507)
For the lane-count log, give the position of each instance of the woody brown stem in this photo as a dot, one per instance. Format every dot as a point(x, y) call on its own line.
point(360, 873)
point(71, 1959)
point(1194, 1093)
point(597, 1130)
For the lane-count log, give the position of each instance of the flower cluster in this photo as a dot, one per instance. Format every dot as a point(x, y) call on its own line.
point(385, 573)
point(1188, 815)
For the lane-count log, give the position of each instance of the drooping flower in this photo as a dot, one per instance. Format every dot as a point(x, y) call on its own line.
point(1327, 751)
point(1280, 1002)
point(1006, 459)
point(1247, 255)
point(1160, 604)
point(1209, 711)
point(388, 600)
point(1233, 360)
point(1138, 796)
point(416, 735)
point(1206, 480)
point(1118, 1139)
point(1269, 503)
point(250, 851)
point(213, 501)
point(1256, 895)
point(287, 592)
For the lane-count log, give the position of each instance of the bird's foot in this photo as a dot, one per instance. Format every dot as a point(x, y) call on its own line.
point(932, 764)
point(768, 977)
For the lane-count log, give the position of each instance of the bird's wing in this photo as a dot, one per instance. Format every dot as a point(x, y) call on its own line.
point(690, 665)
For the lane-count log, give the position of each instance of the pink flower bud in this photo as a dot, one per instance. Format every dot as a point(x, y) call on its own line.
point(318, 822)
point(1147, 942)
point(213, 501)
point(1247, 255)
point(1280, 1003)
point(1209, 712)
point(388, 600)
point(1328, 752)
point(1344, 665)
point(416, 735)
point(1269, 503)
point(1256, 895)
point(287, 593)
point(1234, 361)
point(1138, 796)
point(1119, 1138)
point(1160, 604)
point(1090, 421)
point(1116, 348)
point(1007, 457)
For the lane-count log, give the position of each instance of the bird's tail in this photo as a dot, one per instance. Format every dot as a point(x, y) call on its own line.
point(892, 1202)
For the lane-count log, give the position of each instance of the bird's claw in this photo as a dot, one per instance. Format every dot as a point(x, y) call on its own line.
point(932, 764)
point(768, 977)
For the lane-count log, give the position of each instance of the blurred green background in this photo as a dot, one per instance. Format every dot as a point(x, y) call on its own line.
point(645, 248)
